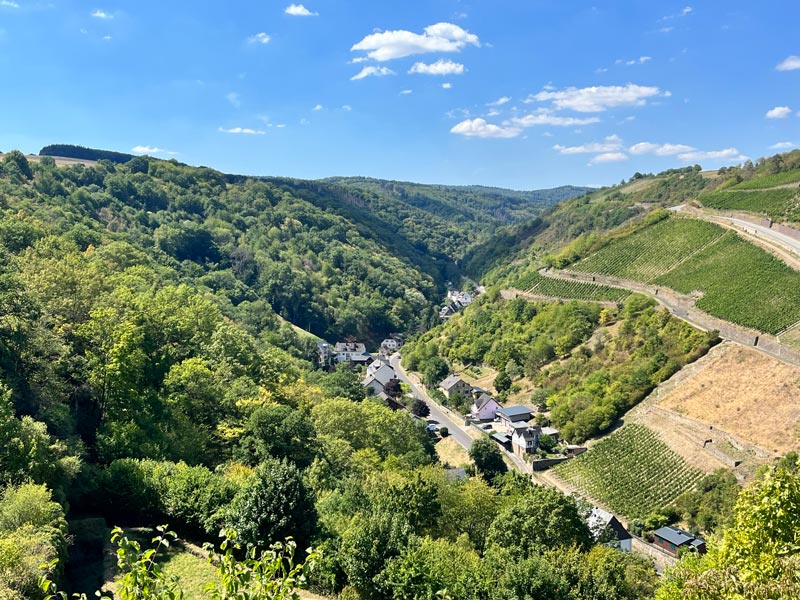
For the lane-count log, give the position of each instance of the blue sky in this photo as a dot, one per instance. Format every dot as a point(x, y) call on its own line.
point(522, 94)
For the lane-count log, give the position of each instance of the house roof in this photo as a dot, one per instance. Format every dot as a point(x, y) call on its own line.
point(483, 400)
point(599, 520)
point(551, 431)
point(677, 536)
point(514, 411)
point(383, 375)
point(350, 347)
point(500, 437)
point(450, 382)
point(524, 431)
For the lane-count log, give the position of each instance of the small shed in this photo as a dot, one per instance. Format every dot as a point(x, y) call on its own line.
point(503, 439)
point(673, 539)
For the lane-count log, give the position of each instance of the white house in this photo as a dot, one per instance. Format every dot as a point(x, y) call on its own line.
point(351, 352)
point(484, 408)
point(390, 346)
point(377, 381)
point(525, 438)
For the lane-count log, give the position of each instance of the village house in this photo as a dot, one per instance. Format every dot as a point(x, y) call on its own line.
point(551, 431)
point(525, 438)
point(455, 385)
point(380, 361)
point(606, 529)
point(378, 380)
point(390, 346)
point(514, 414)
point(456, 301)
point(673, 539)
point(324, 354)
point(354, 352)
point(484, 408)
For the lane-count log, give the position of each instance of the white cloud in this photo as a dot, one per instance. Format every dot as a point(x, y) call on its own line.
point(372, 72)
point(259, 38)
point(598, 98)
point(101, 14)
point(447, 85)
point(634, 61)
point(150, 150)
point(493, 113)
point(358, 59)
point(406, 92)
point(347, 107)
point(298, 10)
point(660, 149)
point(790, 63)
point(280, 125)
point(666, 29)
point(234, 99)
point(783, 146)
point(441, 37)
point(242, 130)
point(686, 11)
point(726, 154)
point(318, 107)
point(611, 144)
point(440, 67)
point(779, 112)
point(107, 38)
point(608, 157)
point(9, 4)
point(544, 116)
point(480, 128)
point(500, 101)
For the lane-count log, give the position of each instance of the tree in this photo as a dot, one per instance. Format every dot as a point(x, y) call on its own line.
point(502, 382)
point(542, 518)
point(420, 408)
point(488, 458)
point(343, 383)
point(280, 432)
point(371, 540)
point(393, 388)
point(756, 557)
point(273, 504)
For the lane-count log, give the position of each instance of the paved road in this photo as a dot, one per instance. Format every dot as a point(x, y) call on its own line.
point(437, 413)
point(786, 242)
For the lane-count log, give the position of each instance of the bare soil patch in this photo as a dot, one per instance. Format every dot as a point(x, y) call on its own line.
point(744, 392)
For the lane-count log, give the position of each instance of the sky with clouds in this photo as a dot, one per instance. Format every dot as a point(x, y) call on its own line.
point(522, 94)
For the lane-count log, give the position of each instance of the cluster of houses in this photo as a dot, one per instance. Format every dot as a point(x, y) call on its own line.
point(354, 352)
point(456, 301)
point(520, 436)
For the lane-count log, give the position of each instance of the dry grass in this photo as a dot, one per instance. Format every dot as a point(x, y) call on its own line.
point(746, 393)
point(791, 338)
point(451, 453)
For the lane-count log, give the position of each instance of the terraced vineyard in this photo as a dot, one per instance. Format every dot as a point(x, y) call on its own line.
point(632, 471)
point(768, 181)
point(741, 283)
point(780, 203)
point(652, 251)
point(560, 288)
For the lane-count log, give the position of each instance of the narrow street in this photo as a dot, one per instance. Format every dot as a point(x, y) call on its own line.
point(438, 413)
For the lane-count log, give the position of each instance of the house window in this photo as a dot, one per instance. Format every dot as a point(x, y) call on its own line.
point(672, 546)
